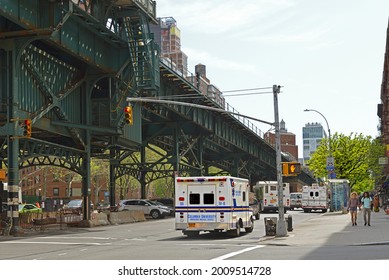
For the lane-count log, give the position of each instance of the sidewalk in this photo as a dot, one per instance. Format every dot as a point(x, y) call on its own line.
point(336, 229)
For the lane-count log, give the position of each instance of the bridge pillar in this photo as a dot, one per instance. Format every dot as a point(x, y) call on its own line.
point(112, 184)
point(86, 180)
point(13, 185)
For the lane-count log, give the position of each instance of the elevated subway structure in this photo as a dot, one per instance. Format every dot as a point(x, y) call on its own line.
point(69, 66)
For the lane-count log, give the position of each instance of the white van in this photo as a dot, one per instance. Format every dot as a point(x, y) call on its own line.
point(296, 200)
point(219, 203)
point(268, 194)
point(315, 197)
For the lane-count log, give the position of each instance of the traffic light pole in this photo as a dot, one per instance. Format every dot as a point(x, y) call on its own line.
point(281, 226)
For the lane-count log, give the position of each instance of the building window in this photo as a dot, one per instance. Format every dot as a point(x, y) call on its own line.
point(55, 191)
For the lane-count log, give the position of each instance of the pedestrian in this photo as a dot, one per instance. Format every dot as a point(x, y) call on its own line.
point(352, 206)
point(376, 204)
point(37, 204)
point(366, 204)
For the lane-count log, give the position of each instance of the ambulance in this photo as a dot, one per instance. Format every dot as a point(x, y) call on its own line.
point(315, 197)
point(212, 204)
point(268, 194)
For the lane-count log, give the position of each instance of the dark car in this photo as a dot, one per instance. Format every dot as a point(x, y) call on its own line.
point(103, 207)
point(4, 207)
point(255, 206)
point(166, 201)
point(75, 206)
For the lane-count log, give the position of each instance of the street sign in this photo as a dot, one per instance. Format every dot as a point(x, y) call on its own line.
point(382, 160)
point(330, 163)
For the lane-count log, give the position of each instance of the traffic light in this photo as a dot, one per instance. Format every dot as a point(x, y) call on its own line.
point(27, 128)
point(291, 168)
point(128, 116)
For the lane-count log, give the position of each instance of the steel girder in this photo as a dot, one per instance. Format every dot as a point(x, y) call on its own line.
point(58, 64)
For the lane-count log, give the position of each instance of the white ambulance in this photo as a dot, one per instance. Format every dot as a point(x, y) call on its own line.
point(268, 194)
point(219, 203)
point(315, 197)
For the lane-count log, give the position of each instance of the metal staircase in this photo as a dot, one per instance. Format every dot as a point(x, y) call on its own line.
point(143, 51)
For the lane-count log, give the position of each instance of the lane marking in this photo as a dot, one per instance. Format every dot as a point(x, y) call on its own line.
point(75, 237)
point(227, 256)
point(56, 243)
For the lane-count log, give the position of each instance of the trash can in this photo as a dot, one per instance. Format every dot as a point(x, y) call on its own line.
point(270, 226)
point(289, 223)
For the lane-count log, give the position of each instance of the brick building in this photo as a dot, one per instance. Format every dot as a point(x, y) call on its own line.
point(288, 141)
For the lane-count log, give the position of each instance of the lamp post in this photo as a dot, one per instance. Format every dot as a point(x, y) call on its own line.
point(330, 160)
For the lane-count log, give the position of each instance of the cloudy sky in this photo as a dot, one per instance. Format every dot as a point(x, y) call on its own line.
point(326, 54)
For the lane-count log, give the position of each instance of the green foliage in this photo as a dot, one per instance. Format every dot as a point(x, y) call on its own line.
point(356, 159)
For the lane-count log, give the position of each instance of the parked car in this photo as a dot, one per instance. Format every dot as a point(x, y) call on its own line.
point(29, 208)
point(255, 206)
point(171, 209)
point(148, 207)
point(296, 200)
point(75, 205)
point(103, 207)
point(4, 207)
point(166, 201)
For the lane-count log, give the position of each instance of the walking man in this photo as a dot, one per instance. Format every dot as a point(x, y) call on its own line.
point(366, 204)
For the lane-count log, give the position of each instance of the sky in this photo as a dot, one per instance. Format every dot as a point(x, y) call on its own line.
point(327, 55)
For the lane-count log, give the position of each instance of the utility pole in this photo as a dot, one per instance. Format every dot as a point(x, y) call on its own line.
point(281, 226)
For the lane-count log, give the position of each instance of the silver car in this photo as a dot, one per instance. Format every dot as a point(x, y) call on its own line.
point(148, 207)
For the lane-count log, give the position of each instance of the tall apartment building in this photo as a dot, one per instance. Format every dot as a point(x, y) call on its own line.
point(288, 141)
point(313, 133)
point(168, 36)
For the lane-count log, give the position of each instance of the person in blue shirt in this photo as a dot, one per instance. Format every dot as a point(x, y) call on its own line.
point(366, 204)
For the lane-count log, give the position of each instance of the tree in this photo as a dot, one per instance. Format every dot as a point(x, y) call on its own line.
point(99, 177)
point(356, 159)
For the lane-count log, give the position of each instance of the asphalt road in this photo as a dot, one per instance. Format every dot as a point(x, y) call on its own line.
point(153, 239)
point(158, 240)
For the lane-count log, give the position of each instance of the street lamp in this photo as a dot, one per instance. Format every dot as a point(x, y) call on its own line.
point(328, 127)
point(330, 160)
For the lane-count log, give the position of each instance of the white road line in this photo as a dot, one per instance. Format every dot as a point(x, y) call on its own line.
point(75, 237)
point(56, 243)
point(238, 252)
